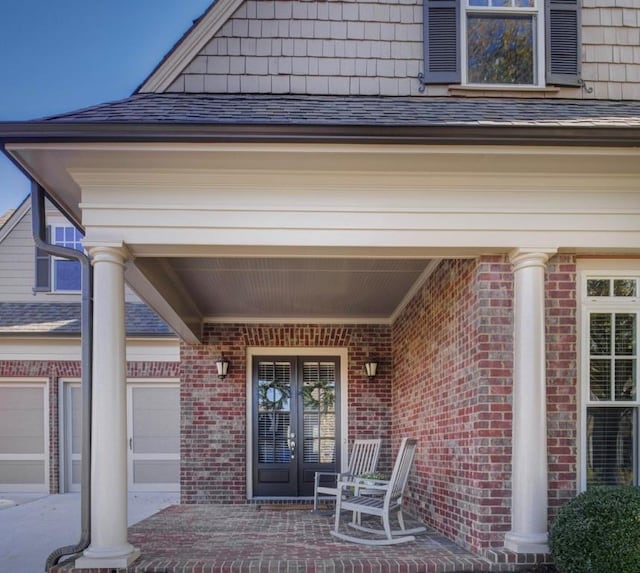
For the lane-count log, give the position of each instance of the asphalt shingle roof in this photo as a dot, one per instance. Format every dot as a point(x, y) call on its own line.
point(64, 318)
point(230, 109)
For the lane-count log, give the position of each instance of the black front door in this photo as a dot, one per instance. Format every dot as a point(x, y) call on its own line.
point(295, 423)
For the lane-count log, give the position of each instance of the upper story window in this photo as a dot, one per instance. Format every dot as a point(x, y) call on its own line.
point(66, 272)
point(610, 377)
point(502, 43)
point(55, 274)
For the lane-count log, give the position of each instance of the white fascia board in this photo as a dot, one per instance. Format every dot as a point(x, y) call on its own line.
point(189, 48)
point(14, 219)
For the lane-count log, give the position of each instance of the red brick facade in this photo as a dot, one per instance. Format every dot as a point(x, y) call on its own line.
point(453, 351)
point(54, 371)
point(213, 443)
point(445, 377)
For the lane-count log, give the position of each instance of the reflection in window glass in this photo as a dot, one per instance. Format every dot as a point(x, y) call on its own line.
point(625, 334)
point(624, 287)
point(625, 380)
point(500, 49)
point(67, 272)
point(600, 379)
point(610, 452)
point(598, 287)
point(600, 334)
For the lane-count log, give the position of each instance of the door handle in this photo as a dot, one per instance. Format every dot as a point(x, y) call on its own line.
point(291, 443)
point(131, 443)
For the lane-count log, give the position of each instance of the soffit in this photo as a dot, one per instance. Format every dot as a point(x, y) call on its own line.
point(350, 289)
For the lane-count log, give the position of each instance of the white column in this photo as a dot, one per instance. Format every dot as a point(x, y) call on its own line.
point(529, 441)
point(109, 547)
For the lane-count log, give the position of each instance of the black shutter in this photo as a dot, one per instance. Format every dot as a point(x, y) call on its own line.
point(441, 41)
point(43, 268)
point(562, 21)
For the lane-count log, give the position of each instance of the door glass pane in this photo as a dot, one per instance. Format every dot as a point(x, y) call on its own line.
point(610, 447)
point(319, 415)
point(274, 412)
point(600, 334)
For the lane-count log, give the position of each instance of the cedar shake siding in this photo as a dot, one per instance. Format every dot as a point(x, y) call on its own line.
point(376, 48)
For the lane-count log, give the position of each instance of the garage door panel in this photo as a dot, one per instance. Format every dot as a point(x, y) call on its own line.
point(156, 471)
point(14, 472)
point(23, 436)
point(154, 421)
point(14, 398)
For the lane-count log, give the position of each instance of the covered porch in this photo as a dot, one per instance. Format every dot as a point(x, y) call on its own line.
point(264, 538)
point(454, 265)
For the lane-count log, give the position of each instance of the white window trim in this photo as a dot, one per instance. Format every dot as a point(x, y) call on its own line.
point(589, 269)
point(539, 43)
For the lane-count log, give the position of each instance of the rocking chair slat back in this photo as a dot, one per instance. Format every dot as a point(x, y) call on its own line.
point(364, 457)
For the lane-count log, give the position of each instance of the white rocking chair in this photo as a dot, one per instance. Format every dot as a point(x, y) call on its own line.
point(363, 460)
point(380, 498)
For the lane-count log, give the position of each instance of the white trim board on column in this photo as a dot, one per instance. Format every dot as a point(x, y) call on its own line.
point(343, 353)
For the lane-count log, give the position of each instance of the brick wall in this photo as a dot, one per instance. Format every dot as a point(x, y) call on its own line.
point(213, 428)
point(453, 349)
point(54, 371)
point(562, 382)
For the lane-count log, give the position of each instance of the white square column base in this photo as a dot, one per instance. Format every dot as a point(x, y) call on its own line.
point(537, 544)
point(116, 558)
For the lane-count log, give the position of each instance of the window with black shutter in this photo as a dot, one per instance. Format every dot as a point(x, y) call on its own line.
point(43, 268)
point(499, 42)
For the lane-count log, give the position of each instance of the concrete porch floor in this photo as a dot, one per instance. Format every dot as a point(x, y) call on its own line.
point(256, 539)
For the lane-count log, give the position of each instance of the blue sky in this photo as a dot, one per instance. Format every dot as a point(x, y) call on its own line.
point(60, 55)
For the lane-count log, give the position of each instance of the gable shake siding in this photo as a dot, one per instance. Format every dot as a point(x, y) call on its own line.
point(452, 389)
point(375, 47)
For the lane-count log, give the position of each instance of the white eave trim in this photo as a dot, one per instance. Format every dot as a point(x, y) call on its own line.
point(14, 219)
point(190, 46)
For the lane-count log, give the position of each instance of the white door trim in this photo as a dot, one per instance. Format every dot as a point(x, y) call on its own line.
point(65, 431)
point(342, 353)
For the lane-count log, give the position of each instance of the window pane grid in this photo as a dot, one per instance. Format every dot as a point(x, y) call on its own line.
point(66, 272)
point(619, 288)
point(611, 403)
point(613, 357)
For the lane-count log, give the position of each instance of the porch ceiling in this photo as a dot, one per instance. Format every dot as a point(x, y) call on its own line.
point(262, 289)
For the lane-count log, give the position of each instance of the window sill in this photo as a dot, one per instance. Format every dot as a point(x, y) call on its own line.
point(522, 92)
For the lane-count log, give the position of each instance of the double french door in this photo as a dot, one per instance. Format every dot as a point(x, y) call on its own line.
point(295, 423)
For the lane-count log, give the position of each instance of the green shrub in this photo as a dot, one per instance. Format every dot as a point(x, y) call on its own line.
point(598, 532)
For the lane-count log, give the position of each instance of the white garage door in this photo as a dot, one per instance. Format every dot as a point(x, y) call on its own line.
point(24, 437)
point(154, 437)
point(153, 426)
